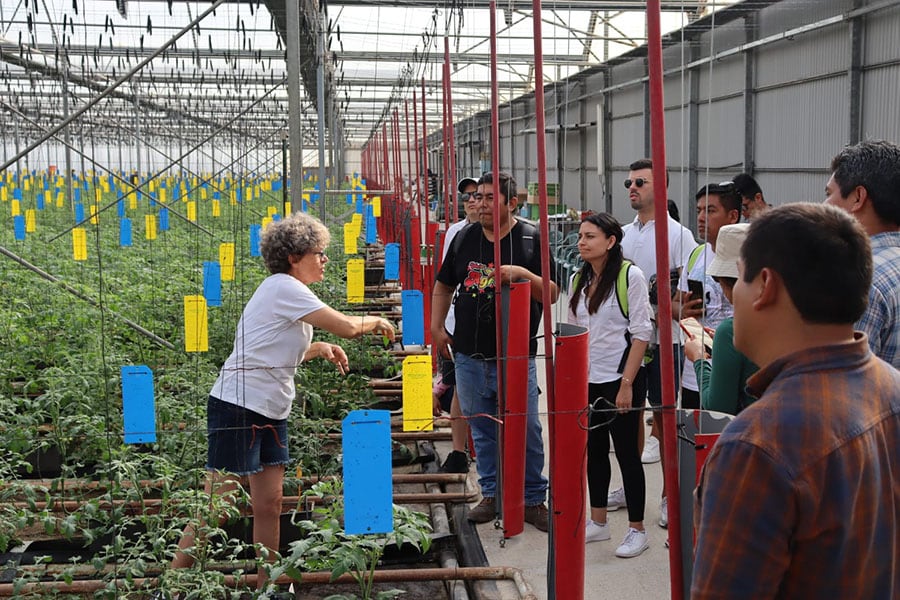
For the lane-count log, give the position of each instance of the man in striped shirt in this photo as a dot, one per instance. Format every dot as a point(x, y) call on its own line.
point(798, 498)
point(865, 182)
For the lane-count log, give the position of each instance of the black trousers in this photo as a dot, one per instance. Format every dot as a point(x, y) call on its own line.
point(624, 429)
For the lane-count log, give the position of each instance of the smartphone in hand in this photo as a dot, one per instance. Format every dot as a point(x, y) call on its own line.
point(696, 289)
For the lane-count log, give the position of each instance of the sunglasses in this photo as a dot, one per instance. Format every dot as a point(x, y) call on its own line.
point(466, 196)
point(639, 182)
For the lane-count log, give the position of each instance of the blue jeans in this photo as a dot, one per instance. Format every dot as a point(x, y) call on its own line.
point(476, 384)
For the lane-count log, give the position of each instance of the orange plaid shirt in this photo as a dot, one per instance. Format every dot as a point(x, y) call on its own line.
point(800, 497)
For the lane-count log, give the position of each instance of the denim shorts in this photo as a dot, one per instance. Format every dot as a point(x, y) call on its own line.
point(241, 441)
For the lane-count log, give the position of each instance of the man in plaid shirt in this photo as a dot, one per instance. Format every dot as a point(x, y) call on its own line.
point(798, 498)
point(865, 182)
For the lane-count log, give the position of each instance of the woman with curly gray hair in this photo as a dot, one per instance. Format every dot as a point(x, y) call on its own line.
point(251, 399)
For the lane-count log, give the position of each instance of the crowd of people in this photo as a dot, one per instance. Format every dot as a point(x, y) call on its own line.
point(798, 308)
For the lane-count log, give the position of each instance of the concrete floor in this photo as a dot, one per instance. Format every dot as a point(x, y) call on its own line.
point(645, 577)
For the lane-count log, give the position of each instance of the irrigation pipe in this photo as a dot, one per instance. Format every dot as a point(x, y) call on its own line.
point(90, 586)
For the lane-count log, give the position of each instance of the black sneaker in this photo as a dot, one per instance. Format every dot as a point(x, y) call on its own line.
point(456, 462)
point(484, 512)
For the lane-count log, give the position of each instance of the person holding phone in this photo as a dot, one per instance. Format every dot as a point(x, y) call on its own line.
point(718, 204)
point(723, 388)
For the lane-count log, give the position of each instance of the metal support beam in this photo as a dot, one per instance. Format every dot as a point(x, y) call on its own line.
point(295, 99)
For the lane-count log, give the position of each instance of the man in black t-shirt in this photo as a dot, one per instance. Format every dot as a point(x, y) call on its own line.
point(469, 267)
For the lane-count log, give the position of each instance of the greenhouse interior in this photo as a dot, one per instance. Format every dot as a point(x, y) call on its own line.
point(157, 156)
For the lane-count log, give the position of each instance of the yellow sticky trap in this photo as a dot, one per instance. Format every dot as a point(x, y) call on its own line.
point(192, 211)
point(288, 210)
point(152, 185)
point(306, 197)
point(203, 194)
point(216, 208)
point(98, 195)
point(233, 197)
point(48, 196)
point(272, 210)
point(15, 208)
point(30, 220)
point(196, 333)
point(132, 200)
point(350, 235)
point(226, 260)
point(265, 222)
point(79, 243)
point(94, 218)
point(4, 195)
point(256, 191)
point(60, 200)
point(356, 219)
point(162, 195)
point(356, 280)
point(150, 227)
point(376, 206)
point(27, 185)
point(417, 405)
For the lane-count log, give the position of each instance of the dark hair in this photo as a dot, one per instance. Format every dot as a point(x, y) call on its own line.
point(746, 186)
point(646, 163)
point(673, 210)
point(821, 253)
point(874, 165)
point(728, 195)
point(507, 184)
point(611, 228)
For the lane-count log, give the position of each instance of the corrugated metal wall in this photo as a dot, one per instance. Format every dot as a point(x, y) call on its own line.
point(777, 105)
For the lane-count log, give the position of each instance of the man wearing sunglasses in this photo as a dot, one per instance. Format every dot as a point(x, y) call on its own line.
point(639, 246)
point(753, 204)
point(456, 461)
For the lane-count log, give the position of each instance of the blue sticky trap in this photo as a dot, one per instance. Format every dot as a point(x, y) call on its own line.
point(17, 194)
point(217, 195)
point(359, 204)
point(349, 198)
point(392, 262)
point(304, 206)
point(413, 317)
point(368, 488)
point(19, 227)
point(39, 202)
point(79, 212)
point(46, 183)
point(276, 217)
point(212, 283)
point(276, 186)
point(371, 228)
point(254, 239)
point(120, 207)
point(125, 232)
point(164, 219)
point(137, 404)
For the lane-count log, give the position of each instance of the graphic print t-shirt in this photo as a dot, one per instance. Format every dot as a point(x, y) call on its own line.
point(469, 265)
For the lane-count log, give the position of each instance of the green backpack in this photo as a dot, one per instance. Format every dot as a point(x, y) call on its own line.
point(621, 286)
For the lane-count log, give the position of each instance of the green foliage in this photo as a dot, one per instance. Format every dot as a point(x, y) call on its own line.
point(326, 546)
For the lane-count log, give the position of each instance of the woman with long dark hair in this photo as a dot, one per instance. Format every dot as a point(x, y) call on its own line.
point(609, 298)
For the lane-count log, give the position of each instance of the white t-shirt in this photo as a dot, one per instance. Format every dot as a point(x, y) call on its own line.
point(450, 321)
point(639, 246)
point(606, 327)
point(717, 307)
point(269, 344)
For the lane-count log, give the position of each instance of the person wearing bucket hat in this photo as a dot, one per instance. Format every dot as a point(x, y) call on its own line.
point(723, 383)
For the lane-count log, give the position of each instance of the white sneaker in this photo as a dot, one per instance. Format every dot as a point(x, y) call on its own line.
point(616, 500)
point(664, 514)
point(635, 542)
point(594, 532)
point(651, 450)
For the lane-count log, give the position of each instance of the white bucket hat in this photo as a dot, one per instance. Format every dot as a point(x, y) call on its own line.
point(728, 250)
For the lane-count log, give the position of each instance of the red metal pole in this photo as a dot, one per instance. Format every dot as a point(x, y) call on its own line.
point(451, 147)
point(667, 365)
point(428, 240)
point(541, 156)
point(445, 119)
